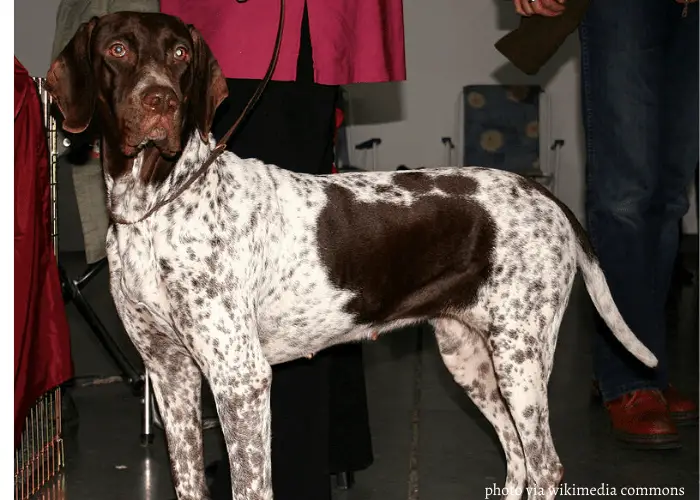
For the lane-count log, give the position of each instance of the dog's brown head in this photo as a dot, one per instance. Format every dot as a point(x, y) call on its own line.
point(150, 80)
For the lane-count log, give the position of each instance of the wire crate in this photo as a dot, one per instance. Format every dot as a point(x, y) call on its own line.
point(39, 457)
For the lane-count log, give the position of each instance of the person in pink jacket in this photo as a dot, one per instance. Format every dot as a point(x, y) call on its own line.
point(325, 44)
point(353, 41)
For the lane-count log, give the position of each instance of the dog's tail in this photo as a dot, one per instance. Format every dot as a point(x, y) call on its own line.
point(597, 287)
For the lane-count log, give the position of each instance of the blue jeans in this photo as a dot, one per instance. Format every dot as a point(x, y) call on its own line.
point(639, 65)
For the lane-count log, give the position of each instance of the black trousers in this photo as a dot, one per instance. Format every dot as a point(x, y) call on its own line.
point(292, 126)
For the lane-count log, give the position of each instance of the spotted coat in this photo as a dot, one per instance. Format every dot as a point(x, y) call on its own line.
point(254, 265)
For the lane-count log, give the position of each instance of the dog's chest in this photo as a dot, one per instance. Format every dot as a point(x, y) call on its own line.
point(136, 281)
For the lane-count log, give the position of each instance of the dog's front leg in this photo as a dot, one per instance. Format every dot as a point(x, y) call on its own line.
point(177, 385)
point(241, 383)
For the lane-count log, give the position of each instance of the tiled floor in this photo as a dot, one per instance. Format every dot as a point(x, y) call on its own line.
point(458, 455)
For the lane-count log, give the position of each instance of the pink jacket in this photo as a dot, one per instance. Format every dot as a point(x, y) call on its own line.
point(353, 41)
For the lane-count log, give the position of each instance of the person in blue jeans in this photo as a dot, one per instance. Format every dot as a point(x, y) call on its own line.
point(639, 69)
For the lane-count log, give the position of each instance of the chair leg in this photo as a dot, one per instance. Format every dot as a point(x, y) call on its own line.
point(147, 413)
point(72, 292)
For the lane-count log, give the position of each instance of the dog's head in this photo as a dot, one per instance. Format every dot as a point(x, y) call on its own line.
point(150, 80)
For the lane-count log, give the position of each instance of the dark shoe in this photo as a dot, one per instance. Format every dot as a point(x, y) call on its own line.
point(683, 411)
point(641, 418)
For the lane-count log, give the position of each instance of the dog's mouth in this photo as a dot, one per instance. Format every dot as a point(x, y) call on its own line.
point(159, 132)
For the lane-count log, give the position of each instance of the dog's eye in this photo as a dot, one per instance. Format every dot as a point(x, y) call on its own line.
point(117, 50)
point(181, 53)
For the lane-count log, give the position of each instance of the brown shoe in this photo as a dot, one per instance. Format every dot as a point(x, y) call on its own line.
point(641, 418)
point(683, 411)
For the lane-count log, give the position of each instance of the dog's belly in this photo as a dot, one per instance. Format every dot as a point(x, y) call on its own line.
point(302, 323)
point(303, 319)
point(280, 347)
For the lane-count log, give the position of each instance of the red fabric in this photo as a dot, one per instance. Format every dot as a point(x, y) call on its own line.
point(339, 117)
point(42, 343)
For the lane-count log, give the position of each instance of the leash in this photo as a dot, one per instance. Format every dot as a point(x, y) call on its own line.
point(221, 146)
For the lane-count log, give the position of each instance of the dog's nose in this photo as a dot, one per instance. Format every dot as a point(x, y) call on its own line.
point(159, 99)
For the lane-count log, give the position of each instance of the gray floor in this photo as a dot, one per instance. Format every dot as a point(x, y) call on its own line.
point(456, 454)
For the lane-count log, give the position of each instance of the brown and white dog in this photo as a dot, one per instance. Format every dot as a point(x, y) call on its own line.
point(253, 265)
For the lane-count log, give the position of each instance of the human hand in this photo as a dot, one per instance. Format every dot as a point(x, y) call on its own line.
point(547, 8)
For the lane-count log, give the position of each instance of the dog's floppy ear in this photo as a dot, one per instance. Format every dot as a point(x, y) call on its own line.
point(208, 88)
point(71, 83)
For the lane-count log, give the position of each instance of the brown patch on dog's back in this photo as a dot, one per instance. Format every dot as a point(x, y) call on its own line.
point(415, 182)
point(420, 183)
point(405, 261)
point(455, 184)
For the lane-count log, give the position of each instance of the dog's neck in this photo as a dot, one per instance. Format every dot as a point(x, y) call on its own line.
point(129, 196)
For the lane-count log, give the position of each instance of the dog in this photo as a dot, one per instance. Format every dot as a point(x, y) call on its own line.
point(252, 265)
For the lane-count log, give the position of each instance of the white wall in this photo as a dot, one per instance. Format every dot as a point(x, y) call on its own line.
point(35, 24)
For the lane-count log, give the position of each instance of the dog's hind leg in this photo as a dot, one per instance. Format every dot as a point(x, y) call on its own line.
point(176, 381)
point(523, 360)
point(466, 355)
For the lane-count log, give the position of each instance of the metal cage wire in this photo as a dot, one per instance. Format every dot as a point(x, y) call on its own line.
point(40, 457)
